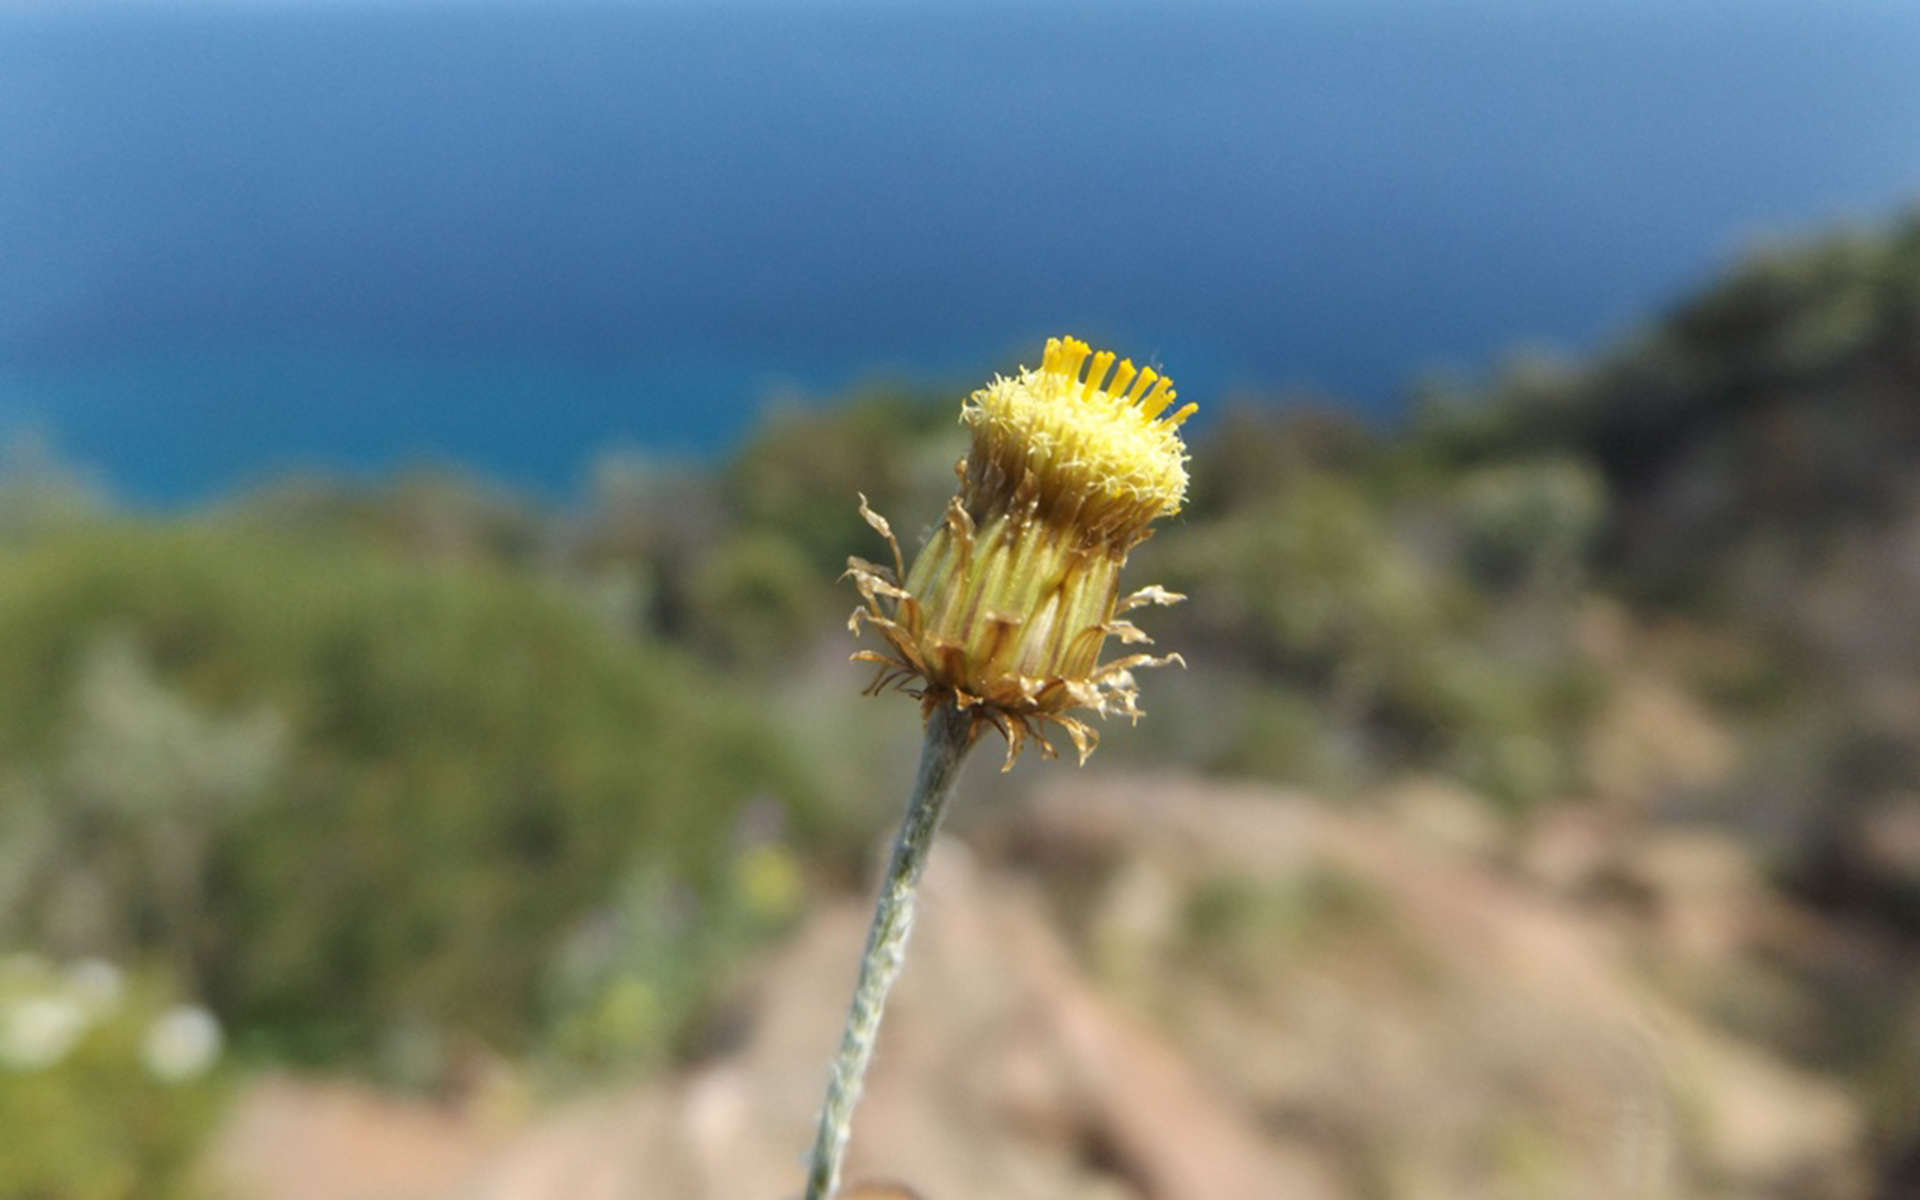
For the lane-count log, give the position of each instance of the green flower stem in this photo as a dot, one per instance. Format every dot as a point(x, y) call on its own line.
point(948, 732)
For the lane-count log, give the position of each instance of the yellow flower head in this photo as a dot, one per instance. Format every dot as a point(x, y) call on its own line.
point(1006, 609)
point(1100, 456)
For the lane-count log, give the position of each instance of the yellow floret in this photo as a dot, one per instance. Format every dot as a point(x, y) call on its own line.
point(1087, 435)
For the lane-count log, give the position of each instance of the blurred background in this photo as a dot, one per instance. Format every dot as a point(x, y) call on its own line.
point(429, 436)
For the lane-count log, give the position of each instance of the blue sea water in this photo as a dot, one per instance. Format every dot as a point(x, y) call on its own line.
point(241, 237)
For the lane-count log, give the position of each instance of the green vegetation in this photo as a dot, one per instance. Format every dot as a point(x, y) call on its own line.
point(339, 790)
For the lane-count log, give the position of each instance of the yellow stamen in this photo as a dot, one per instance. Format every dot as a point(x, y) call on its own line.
point(1157, 400)
point(1147, 376)
point(1102, 363)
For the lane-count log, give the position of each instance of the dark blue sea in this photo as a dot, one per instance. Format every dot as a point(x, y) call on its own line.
point(237, 238)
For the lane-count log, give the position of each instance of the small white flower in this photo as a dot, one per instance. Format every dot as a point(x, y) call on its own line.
point(182, 1044)
point(36, 1032)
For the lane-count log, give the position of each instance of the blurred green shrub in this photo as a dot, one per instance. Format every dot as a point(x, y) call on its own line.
point(1313, 580)
point(1377, 612)
point(754, 600)
point(633, 984)
point(1767, 414)
point(141, 788)
point(740, 564)
point(801, 474)
point(1285, 733)
point(432, 514)
point(1258, 449)
point(1530, 521)
point(462, 765)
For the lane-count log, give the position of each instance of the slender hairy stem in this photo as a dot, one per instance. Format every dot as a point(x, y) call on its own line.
point(946, 745)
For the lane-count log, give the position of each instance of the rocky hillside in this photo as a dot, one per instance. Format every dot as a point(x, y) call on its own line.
point(1152, 987)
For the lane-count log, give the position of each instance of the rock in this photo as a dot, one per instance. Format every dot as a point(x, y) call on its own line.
point(1472, 1037)
point(1706, 890)
point(1446, 816)
point(292, 1139)
point(1654, 741)
point(1569, 849)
